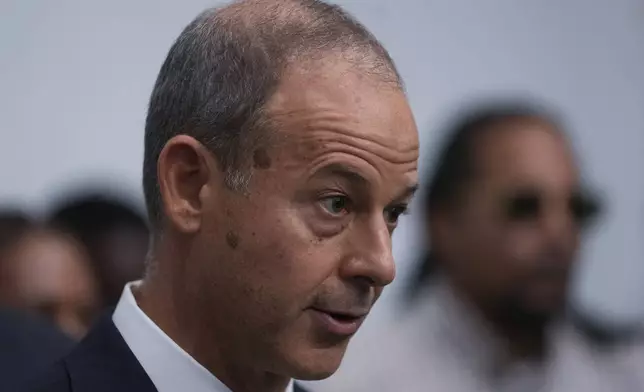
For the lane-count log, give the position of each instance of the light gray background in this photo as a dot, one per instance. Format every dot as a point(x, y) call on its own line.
point(75, 76)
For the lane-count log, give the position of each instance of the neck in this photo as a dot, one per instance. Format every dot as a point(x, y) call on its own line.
point(526, 339)
point(165, 298)
point(523, 342)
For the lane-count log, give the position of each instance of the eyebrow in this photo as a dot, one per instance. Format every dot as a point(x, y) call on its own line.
point(344, 171)
point(351, 175)
point(409, 192)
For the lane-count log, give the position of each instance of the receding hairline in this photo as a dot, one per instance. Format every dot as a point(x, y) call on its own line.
point(255, 43)
point(250, 18)
point(263, 20)
point(274, 111)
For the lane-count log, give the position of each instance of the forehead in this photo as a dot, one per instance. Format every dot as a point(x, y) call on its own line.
point(336, 95)
point(527, 151)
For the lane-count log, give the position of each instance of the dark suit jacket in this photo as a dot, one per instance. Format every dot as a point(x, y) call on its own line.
point(102, 362)
point(28, 346)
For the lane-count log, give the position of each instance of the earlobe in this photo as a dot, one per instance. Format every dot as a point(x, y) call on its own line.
point(184, 174)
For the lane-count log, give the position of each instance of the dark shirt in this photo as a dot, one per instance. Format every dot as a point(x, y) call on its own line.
point(28, 346)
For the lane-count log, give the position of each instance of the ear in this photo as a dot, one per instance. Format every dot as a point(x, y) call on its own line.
point(185, 173)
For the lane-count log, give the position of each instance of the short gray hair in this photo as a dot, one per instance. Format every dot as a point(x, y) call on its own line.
point(227, 63)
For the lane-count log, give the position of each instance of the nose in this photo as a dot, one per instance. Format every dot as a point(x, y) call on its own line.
point(560, 229)
point(370, 259)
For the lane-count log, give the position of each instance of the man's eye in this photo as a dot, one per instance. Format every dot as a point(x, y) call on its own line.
point(336, 205)
point(393, 213)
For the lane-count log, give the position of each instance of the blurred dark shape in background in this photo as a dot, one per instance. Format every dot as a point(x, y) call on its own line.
point(452, 170)
point(13, 223)
point(116, 237)
point(76, 263)
point(48, 272)
point(28, 343)
point(28, 346)
point(457, 164)
point(506, 211)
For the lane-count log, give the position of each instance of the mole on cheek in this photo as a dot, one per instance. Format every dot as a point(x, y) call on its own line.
point(232, 239)
point(261, 159)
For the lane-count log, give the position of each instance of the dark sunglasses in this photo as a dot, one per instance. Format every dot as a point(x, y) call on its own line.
point(527, 206)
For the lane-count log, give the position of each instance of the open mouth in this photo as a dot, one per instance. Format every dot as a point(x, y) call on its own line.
point(338, 323)
point(344, 318)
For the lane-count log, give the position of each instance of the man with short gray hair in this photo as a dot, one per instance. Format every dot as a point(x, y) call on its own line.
point(280, 151)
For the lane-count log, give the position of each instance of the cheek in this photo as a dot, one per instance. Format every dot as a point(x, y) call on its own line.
point(281, 277)
point(495, 254)
point(280, 244)
point(575, 244)
point(521, 245)
point(286, 266)
point(504, 245)
point(272, 257)
point(286, 261)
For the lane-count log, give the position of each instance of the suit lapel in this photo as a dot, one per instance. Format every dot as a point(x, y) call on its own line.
point(298, 388)
point(103, 362)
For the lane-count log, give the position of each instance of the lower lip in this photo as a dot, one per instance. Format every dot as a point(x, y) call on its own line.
point(337, 326)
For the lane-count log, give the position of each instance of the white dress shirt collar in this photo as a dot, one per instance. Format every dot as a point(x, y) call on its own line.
point(169, 367)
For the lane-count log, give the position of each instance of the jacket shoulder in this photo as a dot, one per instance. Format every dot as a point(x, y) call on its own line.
point(55, 379)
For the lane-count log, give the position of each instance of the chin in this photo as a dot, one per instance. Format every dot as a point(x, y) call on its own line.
point(314, 374)
point(318, 369)
point(316, 363)
point(537, 315)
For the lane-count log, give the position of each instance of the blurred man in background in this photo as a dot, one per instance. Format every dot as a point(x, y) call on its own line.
point(115, 235)
point(48, 272)
point(506, 210)
point(13, 223)
point(28, 343)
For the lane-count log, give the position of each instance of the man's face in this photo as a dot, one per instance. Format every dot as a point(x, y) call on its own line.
point(49, 274)
point(297, 263)
point(514, 239)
